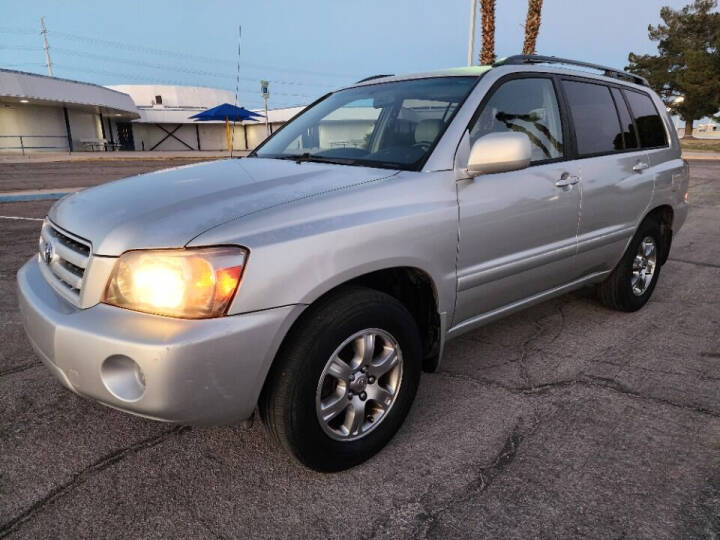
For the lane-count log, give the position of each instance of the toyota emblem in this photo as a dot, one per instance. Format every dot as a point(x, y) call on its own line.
point(48, 253)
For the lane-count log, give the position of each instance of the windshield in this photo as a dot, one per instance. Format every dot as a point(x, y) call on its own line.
point(383, 125)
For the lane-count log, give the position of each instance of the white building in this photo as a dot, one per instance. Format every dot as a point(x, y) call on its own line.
point(48, 113)
point(165, 123)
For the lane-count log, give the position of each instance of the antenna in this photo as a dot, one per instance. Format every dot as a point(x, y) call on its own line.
point(43, 33)
point(237, 89)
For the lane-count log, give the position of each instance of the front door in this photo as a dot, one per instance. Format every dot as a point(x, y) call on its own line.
point(518, 230)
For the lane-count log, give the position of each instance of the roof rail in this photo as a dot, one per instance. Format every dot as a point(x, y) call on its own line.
point(371, 77)
point(539, 59)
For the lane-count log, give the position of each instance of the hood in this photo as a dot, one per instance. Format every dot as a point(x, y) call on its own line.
point(169, 208)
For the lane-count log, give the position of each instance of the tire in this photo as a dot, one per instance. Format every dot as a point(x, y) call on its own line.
point(618, 291)
point(302, 380)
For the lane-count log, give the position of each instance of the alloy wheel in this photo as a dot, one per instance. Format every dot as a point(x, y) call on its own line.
point(359, 385)
point(644, 265)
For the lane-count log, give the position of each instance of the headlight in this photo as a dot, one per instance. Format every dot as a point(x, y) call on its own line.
point(189, 283)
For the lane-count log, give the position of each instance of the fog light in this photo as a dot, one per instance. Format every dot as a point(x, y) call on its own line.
point(123, 377)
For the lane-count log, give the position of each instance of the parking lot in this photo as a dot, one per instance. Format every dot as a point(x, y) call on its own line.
point(564, 420)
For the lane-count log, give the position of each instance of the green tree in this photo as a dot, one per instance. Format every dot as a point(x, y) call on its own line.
point(686, 70)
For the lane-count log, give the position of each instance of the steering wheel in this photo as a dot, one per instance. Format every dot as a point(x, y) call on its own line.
point(425, 145)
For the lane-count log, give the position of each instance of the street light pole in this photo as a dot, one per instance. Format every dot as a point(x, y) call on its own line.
point(267, 126)
point(471, 38)
point(265, 92)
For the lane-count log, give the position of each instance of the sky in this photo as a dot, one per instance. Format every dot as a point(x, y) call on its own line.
point(304, 48)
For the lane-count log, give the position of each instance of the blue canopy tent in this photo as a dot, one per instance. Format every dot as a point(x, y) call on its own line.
point(228, 113)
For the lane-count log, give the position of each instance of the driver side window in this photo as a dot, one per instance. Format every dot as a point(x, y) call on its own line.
point(528, 106)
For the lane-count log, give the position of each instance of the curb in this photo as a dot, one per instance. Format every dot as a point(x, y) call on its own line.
point(26, 197)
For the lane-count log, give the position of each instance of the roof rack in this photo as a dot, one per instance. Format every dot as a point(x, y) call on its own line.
point(371, 77)
point(539, 59)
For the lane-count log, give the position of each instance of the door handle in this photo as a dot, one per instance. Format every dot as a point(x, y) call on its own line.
point(567, 179)
point(640, 166)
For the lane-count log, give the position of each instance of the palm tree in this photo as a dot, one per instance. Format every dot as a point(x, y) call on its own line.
point(487, 14)
point(532, 26)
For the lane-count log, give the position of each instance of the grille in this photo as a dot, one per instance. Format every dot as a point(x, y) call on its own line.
point(63, 259)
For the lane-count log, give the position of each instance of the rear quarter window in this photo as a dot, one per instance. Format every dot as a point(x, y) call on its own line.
point(625, 120)
point(597, 129)
point(647, 118)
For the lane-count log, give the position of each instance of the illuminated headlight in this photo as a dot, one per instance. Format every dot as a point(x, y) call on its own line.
point(188, 283)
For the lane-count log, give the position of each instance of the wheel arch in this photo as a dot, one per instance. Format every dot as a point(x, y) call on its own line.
point(664, 215)
point(412, 287)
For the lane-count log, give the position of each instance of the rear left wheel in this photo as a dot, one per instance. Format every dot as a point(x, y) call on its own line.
point(633, 280)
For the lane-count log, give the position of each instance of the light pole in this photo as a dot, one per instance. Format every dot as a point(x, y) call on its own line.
point(265, 91)
point(471, 39)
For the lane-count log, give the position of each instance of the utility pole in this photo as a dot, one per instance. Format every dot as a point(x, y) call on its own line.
point(43, 33)
point(471, 41)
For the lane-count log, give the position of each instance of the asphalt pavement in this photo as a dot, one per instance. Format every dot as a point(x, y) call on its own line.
point(564, 420)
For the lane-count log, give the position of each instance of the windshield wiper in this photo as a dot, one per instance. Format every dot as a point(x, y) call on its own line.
point(306, 156)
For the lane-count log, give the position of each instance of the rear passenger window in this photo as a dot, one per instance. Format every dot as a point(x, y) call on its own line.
point(628, 129)
point(597, 128)
point(528, 106)
point(648, 121)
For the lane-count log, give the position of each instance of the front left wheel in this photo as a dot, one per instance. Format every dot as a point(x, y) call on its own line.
point(345, 379)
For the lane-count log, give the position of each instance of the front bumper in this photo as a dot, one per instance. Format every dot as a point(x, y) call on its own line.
point(207, 371)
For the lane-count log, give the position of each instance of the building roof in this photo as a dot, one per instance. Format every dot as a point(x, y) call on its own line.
point(44, 90)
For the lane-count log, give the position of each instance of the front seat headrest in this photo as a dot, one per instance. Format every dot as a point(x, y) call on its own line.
point(427, 130)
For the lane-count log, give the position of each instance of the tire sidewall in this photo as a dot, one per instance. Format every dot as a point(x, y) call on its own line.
point(318, 449)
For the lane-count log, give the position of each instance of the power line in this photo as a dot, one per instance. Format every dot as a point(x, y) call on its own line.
point(324, 85)
point(175, 68)
point(33, 49)
point(169, 67)
point(135, 76)
point(16, 30)
point(24, 64)
point(184, 56)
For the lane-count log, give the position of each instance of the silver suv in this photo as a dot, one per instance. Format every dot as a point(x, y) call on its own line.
point(315, 279)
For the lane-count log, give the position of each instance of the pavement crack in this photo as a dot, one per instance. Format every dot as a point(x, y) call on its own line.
point(584, 380)
point(18, 369)
point(506, 456)
point(485, 475)
point(427, 511)
point(696, 263)
point(612, 384)
point(86, 473)
point(526, 348)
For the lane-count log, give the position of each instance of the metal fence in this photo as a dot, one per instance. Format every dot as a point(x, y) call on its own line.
point(33, 142)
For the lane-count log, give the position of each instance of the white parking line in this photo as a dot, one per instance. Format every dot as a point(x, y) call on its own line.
point(21, 218)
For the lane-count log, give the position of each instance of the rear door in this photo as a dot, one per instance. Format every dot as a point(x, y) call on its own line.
point(518, 229)
point(616, 182)
point(664, 160)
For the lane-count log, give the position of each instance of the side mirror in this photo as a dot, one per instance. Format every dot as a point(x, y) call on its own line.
point(499, 152)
